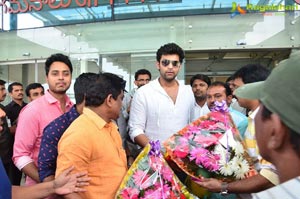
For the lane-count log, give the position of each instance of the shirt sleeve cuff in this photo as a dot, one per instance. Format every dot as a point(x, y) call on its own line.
point(135, 133)
point(270, 175)
point(22, 162)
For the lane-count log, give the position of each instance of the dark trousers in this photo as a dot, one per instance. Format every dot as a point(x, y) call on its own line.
point(13, 173)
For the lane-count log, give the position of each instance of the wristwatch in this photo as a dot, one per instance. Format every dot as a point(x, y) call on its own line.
point(224, 189)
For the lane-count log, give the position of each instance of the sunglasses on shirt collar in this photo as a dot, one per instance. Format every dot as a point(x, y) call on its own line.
point(166, 62)
point(123, 84)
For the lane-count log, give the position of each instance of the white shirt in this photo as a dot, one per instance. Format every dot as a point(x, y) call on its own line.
point(286, 190)
point(154, 113)
point(198, 111)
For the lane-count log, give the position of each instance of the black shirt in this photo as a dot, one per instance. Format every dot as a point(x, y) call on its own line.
point(12, 111)
point(6, 141)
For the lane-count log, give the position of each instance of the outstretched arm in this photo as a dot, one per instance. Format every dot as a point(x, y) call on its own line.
point(65, 183)
point(252, 184)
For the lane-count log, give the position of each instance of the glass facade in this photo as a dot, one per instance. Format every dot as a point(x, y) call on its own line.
point(38, 13)
point(123, 36)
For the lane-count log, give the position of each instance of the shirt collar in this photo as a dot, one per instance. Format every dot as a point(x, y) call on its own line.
point(97, 120)
point(157, 85)
point(252, 114)
point(204, 105)
point(51, 99)
point(13, 103)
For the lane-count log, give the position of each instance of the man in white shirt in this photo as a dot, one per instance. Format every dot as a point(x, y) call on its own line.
point(199, 84)
point(162, 107)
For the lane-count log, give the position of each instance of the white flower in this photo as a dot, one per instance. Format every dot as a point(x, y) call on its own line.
point(244, 167)
point(226, 168)
point(239, 149)
point(241, 167)
point(237, 166)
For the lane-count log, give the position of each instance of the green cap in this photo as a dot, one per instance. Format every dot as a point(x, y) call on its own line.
point(280, 92)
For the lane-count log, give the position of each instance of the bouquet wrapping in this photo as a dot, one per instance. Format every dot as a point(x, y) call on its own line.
point(210, 146)
point(150, 177)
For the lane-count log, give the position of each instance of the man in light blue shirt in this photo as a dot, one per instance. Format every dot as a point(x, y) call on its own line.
point(219, 91)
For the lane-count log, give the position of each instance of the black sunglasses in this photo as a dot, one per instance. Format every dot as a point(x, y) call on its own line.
point(166, 62)
point(123, 84)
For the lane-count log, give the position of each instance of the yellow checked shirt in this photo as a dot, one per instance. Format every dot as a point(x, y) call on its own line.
point(264, 167)
point(91, 144)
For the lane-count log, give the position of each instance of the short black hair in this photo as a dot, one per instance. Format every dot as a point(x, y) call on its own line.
point(10, 87)
point(252, 73)
point(32, 86)
point(142, 72)
point(58, 57)
point(230, 78)
point(294, 136)
point(170, 49)
point(106, 84)
point(227, 88)
point(2, 82)
point(82, 82)
point(202, 77)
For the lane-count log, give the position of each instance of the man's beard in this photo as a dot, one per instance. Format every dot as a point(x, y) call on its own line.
point(57, 91)
point(201, 98)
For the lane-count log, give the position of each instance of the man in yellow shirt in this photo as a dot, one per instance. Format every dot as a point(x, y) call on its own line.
point(92, 142)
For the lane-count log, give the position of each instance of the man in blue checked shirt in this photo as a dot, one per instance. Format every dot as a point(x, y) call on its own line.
point(54, 130)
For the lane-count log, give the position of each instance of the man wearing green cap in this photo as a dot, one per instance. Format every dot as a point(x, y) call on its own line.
point(277, 123)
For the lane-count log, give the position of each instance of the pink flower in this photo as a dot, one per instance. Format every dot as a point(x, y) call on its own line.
point(166, 190)
point(220, 117)
point(180, 153)
point(140, 177)
point(188, 135)
point(150, 194)
point(130, 193)
point(205, 140)
point(167, 173)
point(155, 162)
point(160, 191)
point(211, 162)
point(198, 154)
point(182, 149)
point(205, 159)
point(193, 129)
point(208, 124)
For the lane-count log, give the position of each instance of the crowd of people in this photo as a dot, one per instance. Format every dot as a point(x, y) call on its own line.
point(84, 150)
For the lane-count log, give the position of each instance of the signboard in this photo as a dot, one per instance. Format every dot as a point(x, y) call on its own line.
point(16, 6)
